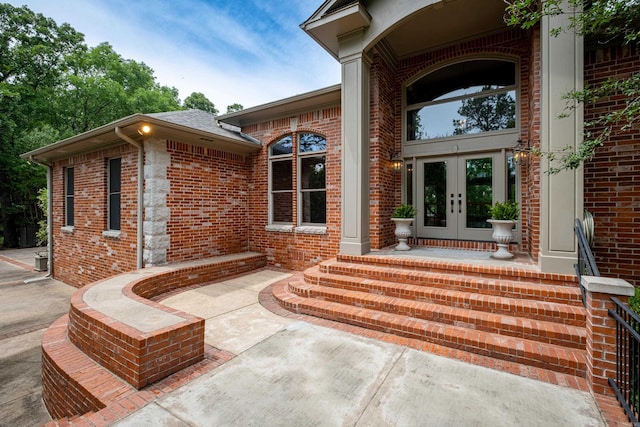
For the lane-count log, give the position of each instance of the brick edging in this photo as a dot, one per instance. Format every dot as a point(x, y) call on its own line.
point(119, 349)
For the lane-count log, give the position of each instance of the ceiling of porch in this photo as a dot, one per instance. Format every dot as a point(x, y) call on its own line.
point(443, 23)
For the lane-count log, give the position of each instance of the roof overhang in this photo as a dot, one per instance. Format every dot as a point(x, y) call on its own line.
point(104, 137)
point(285, 107)
point(328, 22)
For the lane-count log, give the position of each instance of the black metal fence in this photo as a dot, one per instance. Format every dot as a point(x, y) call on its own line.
point(627, 382)
point(586, 262)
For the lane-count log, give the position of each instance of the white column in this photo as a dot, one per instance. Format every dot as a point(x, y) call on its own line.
point(561, 195)
point(355, 146)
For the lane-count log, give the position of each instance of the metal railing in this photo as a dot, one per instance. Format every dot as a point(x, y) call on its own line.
point(626, 385)
point(586, 262)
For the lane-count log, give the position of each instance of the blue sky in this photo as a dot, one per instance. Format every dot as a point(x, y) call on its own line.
point(245, 51)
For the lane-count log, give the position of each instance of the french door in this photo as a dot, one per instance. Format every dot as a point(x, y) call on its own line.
point(454, 194)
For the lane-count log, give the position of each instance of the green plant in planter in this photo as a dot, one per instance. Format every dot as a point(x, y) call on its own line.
point(505, 211)
point(404, 211)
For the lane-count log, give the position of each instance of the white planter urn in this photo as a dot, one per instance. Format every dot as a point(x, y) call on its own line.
point(403, 232)
point(503, 235)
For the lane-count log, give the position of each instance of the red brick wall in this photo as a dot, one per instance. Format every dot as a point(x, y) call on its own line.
point(612, 177)
point(295, 250)
point(384, 184)
point(530, 169)
point(208, 202)
point(85, 255)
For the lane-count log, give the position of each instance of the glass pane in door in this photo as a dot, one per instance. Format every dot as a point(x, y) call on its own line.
point(435, 194)
point(479, 192)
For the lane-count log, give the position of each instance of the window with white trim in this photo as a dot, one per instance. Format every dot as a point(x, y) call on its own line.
point(68, 197)
point(114, 179)
point(310, 155)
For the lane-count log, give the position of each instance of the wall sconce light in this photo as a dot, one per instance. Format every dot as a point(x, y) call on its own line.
point(396, 162)
point(144, 130)
point(521, 151)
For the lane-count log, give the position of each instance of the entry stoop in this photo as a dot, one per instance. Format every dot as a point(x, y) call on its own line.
point(507, 312)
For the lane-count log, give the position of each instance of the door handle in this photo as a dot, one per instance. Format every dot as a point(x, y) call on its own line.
point(452, 203)
point(459, 203)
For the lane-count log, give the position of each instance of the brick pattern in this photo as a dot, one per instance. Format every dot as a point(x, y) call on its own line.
point(295, 250)
point(509, 313)
point(384, 184)
point(612, 177)
point(516, 44)
point(79, 365)
point(208, 203)
point(85, 255)
point(601, 341)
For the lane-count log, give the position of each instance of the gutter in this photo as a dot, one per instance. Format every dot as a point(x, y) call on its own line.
point(139, 235)
point(49, 214)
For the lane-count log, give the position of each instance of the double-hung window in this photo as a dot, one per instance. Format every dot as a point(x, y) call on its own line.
point(297, 178)
point(313, 193)
point(68, 197)
point(114, 177)
point(281, 161)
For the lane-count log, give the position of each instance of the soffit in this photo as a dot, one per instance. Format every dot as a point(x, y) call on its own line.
point(105, 137)
point(285, 107)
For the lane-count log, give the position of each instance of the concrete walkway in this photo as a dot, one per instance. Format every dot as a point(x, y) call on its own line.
point(292, 373)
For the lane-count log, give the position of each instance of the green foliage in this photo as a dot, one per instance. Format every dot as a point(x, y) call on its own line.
point(601, 22)
point(199, 101)
point(234, 107)
point(487, 113)
point(404, 211)
point(634, 301)
point(505, 211)
point(42, 235)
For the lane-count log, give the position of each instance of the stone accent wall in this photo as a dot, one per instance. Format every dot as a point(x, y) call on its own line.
point(612, 177)
point(83, 253)
point(156, 212)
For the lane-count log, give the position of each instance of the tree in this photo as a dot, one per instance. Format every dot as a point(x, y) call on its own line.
point(100, 87)
point(234, 108)
point(199, 101)
point(53, 86)
point(603, 22)
point(486, 113)
point(32, 53)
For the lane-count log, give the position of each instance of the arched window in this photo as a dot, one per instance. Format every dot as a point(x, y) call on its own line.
point(310, 149)
point(463, 98)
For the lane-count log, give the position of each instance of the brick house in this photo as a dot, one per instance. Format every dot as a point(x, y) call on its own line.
point(445, 86)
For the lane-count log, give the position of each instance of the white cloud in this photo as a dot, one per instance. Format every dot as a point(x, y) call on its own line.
point(232, 51)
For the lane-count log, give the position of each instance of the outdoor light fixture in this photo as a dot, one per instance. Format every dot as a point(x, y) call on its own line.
point(396, 162)
point(521, 151)
point(144, 130)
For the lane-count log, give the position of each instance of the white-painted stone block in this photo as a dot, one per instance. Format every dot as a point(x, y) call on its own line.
point(155, 199)
point(157, 185)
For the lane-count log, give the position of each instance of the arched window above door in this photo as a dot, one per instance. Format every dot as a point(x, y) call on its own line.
point(464, 98)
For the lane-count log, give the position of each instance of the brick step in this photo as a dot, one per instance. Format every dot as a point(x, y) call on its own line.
point(552, 357)
point(459, 296)
point(510, 287)
point(518, 327)
point(511, 272)
point(73, 383)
